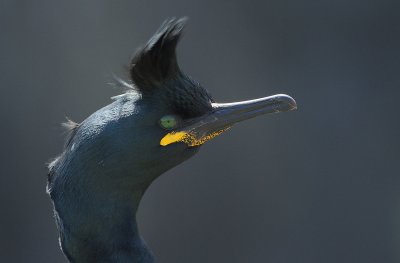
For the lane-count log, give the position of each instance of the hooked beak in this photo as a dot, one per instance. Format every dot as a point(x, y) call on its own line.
point(225, 115)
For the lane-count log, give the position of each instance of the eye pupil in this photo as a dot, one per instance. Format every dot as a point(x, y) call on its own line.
point(168, 122)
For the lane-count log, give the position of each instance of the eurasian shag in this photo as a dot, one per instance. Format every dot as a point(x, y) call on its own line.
point(112, 157)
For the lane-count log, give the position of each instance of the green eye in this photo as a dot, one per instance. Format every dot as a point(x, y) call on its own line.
point(168, 122)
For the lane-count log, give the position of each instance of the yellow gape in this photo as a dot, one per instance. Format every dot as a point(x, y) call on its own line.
point(172, 137)
point(189, 138)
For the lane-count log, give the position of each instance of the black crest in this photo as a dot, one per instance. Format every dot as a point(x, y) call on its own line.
point(156, 61)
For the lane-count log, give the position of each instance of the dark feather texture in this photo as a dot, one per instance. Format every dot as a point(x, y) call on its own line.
point(156, 62)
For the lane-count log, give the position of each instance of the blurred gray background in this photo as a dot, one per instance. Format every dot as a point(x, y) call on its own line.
point(318, 185)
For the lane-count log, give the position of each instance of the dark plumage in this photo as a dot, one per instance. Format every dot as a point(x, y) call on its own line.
point(112, 157)
point(154, 68)
point(156, 61)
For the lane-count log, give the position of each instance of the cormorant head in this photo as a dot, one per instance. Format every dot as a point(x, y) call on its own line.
point(162, 120)
point(177, 113)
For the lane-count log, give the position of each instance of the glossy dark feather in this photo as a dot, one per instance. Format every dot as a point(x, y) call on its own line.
point(156, 62)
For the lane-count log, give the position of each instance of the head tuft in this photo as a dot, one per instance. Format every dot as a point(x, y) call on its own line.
point(156, 62)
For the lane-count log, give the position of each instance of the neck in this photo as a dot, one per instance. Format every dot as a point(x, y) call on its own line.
point(101, 228)
point(95, 204)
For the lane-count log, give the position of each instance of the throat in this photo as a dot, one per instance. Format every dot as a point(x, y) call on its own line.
point(101, 233)
point(117, 249)
point(95, 208)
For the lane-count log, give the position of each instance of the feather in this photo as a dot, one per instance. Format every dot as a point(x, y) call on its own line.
point(71, 128)
point(156, 62)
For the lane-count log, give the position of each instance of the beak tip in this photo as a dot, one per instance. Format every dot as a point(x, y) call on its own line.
point(287, 100)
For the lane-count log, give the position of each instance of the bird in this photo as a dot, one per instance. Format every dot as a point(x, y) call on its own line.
point(109, 160)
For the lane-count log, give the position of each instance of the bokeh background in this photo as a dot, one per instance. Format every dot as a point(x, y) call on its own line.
point(318, 185)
